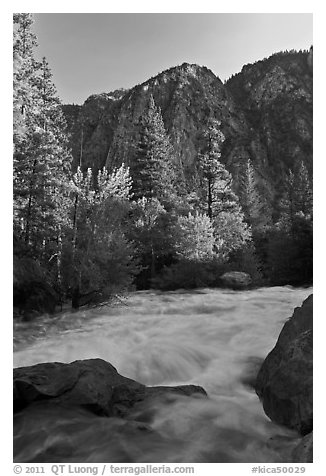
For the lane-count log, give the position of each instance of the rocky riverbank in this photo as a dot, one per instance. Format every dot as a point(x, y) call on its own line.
point(285, 381)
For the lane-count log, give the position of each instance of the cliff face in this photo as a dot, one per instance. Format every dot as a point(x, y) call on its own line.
point(275, 96)
point(265, 113)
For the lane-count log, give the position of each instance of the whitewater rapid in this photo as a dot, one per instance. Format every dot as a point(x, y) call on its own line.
point(209, 337)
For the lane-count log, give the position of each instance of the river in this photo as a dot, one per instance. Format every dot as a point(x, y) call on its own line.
point(209, 337)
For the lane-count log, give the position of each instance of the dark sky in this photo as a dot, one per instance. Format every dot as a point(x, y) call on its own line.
point(99, 52)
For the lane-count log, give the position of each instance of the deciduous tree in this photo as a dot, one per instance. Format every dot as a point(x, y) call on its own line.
point(102, 259)
point(195, 237)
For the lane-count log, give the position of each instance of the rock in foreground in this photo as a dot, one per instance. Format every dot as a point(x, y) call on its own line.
point(285, 380)
point(303, 453)
point(56, 405)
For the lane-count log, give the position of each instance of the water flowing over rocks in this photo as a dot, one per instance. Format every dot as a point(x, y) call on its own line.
point(285, 380)
point(84, 389)
point(171, 342)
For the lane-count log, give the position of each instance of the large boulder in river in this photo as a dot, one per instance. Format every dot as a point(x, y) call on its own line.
point(93, 384)
point(303, 452)
point(87, 411)
point(285, 380)
point(88, 383)
point(235, 280)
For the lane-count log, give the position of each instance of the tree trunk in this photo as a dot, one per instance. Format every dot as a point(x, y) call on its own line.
point(75, 298)
point(209, 200)
point(152, 262)
point(29, 208)
point(59, 260)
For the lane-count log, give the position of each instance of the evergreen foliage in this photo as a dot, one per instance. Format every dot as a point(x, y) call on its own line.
point(41, 157)
point(214, 179)
point(222, 205)
point(188, 274)
point(297, 198)
point(290, 258)
point(95, 233)
point(24, 67)
point(255, 209)
point(70, 226)
point(153, 170)
point(290, 244)
point(152, 229)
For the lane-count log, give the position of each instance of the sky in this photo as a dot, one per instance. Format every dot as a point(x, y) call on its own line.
point(91, 53)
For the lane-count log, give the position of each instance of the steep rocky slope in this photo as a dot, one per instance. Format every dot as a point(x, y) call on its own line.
point(275, 96)
point(265, 113)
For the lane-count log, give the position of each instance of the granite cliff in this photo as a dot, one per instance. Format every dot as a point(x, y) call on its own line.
point(265, 113)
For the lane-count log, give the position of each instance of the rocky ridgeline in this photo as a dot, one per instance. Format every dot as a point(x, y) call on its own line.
point(276, 97)
point(285, 380)
point(265, 113)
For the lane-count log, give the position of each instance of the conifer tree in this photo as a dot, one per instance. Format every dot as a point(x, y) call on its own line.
point(253, 205)
point(290, 246)
point(216, 181)
point(153, 171)
point(41, 157)
point(24, 71)
point(218, 198)
point(73, 227)
point(303, 191)
point(155, 193)
point(150, 230)
point(24, 91)
point(41, 166)
point(296, 202)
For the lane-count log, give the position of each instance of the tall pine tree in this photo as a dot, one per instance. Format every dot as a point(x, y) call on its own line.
point(24, 71)
point(41, 157)
point(290, 246)
point(217, 196)
point(153, 170)
point(296, 202)
point(254, 206)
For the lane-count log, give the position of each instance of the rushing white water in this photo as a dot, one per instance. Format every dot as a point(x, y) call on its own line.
point(211, 338)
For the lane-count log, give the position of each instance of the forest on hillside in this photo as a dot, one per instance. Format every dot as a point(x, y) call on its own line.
point(84, 236)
